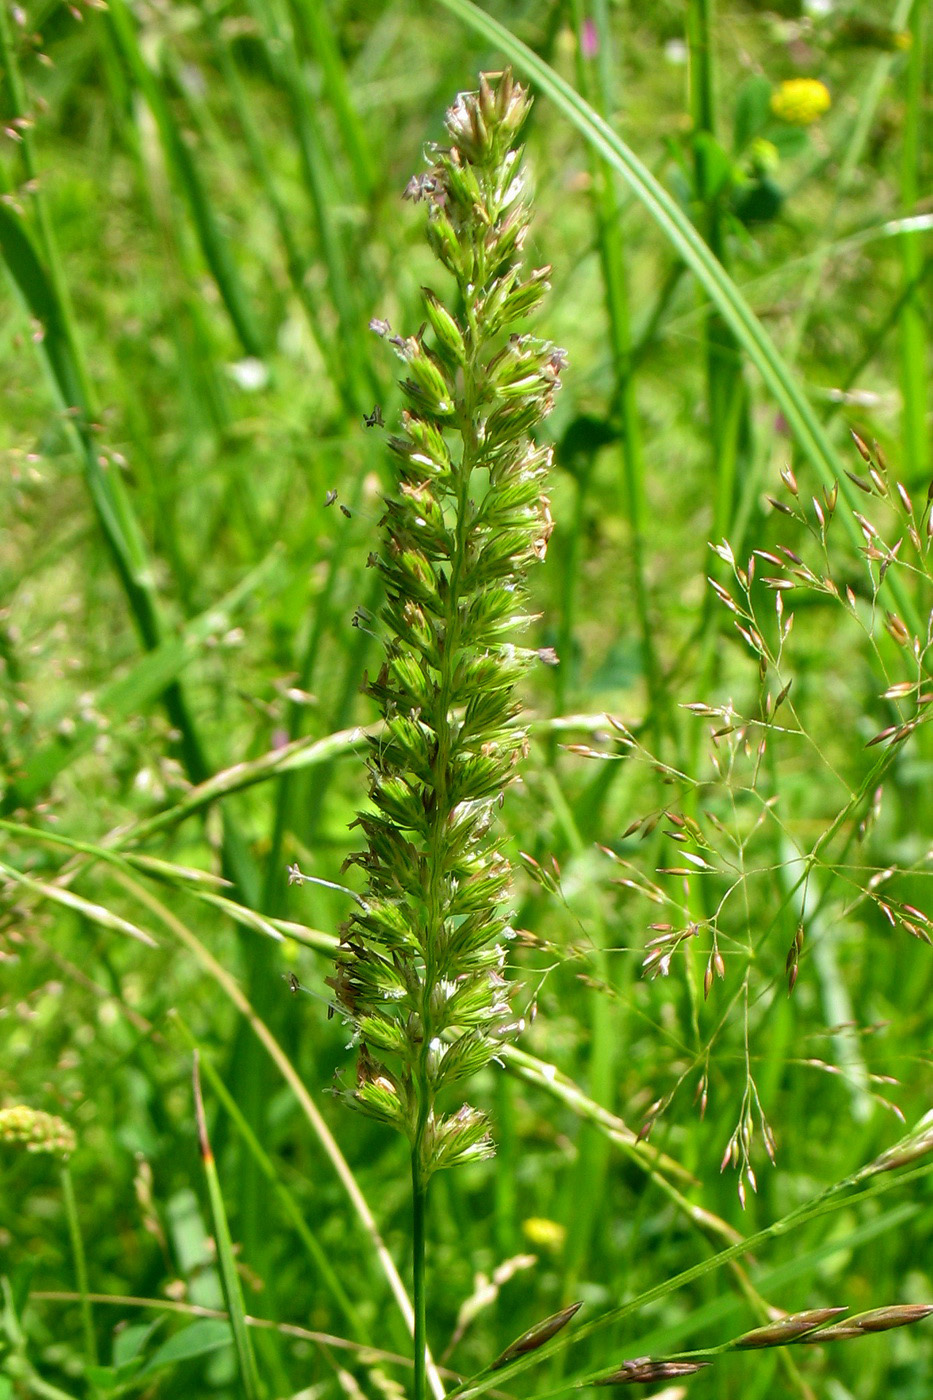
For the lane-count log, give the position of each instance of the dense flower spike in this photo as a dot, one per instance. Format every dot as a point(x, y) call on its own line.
point(36, 1131)
point(421, 966)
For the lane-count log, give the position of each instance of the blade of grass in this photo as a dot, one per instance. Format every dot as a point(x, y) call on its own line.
point(726, 390)
point(275, 32)
point(277, 929)
point(296, 262)
point(318, 29)
point(233, 1293)
point(166, 871)
point(80, 1261)
point(95, 913)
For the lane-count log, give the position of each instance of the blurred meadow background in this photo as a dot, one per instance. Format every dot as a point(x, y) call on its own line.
point(722, 836)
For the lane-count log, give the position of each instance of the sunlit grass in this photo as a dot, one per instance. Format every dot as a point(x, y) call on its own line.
point(201, 212)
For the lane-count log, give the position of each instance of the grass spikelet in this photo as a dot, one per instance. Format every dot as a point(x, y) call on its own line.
point(421, 967)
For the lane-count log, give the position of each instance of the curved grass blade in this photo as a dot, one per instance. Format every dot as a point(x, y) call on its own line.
point(95, 913)
point(319, 28)
point(167, 871)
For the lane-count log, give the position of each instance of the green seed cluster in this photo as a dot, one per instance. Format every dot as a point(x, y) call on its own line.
point(421, 967)
point(36, 1131)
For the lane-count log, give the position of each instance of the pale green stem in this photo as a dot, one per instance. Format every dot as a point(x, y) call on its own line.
point(80, 1261)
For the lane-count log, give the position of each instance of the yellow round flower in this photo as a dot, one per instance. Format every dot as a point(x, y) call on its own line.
point(800, 101)
point(546, 1234)
point(36, 1131)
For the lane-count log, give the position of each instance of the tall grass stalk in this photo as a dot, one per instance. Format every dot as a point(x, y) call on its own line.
point(726, 389)
point(420, 971)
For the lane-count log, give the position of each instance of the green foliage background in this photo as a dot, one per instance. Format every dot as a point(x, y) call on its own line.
point(200, 214)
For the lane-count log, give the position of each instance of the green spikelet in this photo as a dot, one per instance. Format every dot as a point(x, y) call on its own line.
point(421, 966)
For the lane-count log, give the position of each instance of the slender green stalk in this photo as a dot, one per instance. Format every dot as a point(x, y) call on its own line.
point(420, 970)
point(419, 1197)
point(913, 339)
point(80, 1261)
point(233, 1293)
point(727, 399)
point(726, 395)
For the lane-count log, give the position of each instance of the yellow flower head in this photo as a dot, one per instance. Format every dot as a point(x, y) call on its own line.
point(546, 1234)
point(36, 1131)
point(800, 101)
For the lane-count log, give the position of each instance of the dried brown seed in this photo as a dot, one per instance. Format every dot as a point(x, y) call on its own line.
point(643, 1369)
point(786, 1329)
point(840, 1332)
point(862, 447)
point(860, 482)
point(536, 1336)
point(897, 1315)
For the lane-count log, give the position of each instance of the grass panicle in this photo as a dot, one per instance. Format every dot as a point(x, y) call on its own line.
point(420, 971)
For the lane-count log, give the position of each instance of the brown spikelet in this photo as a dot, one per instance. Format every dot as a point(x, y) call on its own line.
point(642, 1369)
point(786, 1329)
point(899, 1315)
point(536, 1336)
point(877, 1320)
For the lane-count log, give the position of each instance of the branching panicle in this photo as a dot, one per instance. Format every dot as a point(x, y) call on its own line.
point(421, 968)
